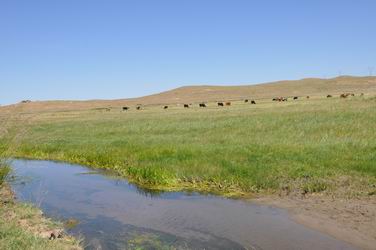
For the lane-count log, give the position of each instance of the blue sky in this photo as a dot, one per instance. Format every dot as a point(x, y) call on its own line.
point(90, 49)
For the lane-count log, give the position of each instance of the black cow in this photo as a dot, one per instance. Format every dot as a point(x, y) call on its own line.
point(295, 98)
point(186, 105)
point(125, 108)
point(253, 102)
point(165, 107)
point(202, 105)
point(246, 100)
point(328, 96)
point(220, 104)
point(138, 107)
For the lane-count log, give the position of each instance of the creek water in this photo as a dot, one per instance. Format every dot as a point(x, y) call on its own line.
point(114, 214)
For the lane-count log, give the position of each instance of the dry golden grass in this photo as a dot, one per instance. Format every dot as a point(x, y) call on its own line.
point(313, 87)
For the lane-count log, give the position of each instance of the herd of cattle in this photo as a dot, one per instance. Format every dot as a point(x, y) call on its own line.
point(222, 104)
point(201, 105)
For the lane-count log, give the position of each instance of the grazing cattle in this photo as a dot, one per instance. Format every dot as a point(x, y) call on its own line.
point(352, 94)
point(362, 94)
point(228, 103)
point(295, 98)
point(345, 95)
point(186, 105)
point(125, 108)
point(165, 107)
point(253, 102)
point(307, 97)
point(138, 107)
point(202, 105)
point(328, 96)
point(280, 99)
point(246, 100)
point(220, 104)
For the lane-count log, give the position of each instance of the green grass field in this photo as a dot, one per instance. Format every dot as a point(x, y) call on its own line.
point(311, 145)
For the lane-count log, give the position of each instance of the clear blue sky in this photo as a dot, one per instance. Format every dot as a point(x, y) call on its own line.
point(88, 49)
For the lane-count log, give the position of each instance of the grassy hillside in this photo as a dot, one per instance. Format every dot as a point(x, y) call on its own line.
point(304, 146)
point(194, 94)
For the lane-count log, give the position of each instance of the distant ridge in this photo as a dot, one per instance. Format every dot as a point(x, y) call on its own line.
point(209, 93)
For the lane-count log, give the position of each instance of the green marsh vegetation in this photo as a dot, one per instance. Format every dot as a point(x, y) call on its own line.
point(304, 146)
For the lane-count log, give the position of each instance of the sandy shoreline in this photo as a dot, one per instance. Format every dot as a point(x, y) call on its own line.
point(349, 220)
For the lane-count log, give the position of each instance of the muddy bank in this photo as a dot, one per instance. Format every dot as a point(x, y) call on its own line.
point(350, 220)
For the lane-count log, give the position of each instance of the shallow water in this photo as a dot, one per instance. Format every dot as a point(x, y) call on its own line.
point(114, 214)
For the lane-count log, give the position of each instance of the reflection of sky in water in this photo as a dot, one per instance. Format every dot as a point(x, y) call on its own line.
point(113, 212)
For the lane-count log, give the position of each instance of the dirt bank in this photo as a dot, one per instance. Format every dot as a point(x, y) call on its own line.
point(350, 220)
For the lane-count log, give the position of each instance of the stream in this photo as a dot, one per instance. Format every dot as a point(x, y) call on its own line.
point(114, 214)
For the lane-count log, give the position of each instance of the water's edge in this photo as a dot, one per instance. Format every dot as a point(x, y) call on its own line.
point(114, 213)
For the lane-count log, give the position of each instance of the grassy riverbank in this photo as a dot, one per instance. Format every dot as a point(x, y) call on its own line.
point(22, 226)
point(305, 146)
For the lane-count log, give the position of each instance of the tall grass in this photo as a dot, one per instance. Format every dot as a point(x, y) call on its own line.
point(304, 146)
point(21, 224)
point(4, 171)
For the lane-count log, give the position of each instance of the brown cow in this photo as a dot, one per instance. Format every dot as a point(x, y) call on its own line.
point(329, 96)
point(344, 95)
point(307, 97)
point(228, 103)
point(280, 99)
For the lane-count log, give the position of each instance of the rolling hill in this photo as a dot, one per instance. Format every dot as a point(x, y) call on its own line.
point(206, 93)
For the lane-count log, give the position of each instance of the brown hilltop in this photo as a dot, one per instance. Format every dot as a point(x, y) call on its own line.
point(206, 93)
